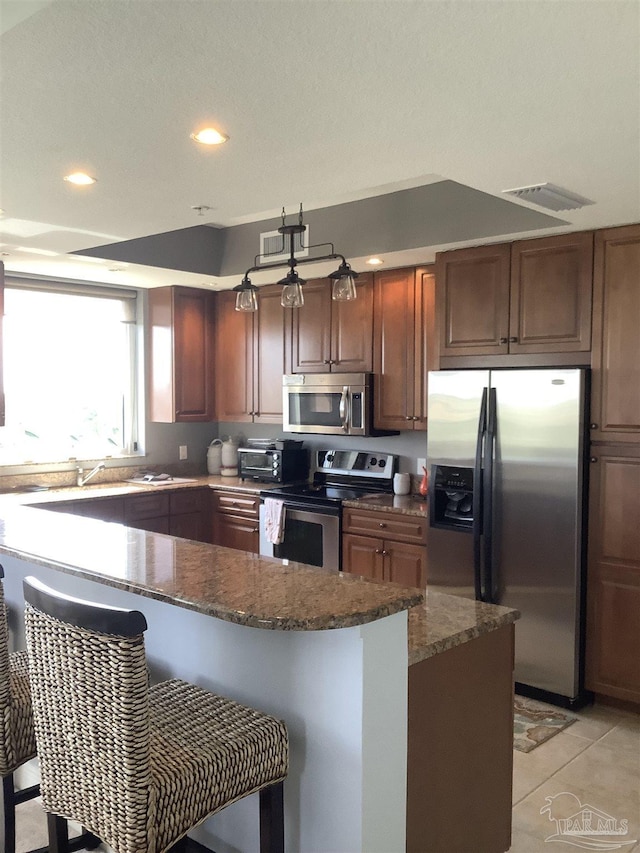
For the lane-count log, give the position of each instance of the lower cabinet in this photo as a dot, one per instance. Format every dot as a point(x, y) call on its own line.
point(236, 521)
point(613, 585)
point(385, 546)
point(185, 513)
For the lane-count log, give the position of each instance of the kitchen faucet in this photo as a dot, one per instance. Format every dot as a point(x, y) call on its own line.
point(82, 481)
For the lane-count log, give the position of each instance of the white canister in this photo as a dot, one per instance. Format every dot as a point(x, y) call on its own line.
point(401, 484)
point(229, 458)
point(214, 456)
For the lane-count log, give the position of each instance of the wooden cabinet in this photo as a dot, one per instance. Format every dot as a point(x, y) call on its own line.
point(330, 336)
point(2, 409)
point(181, 354)
point(385, 546)
point(184, 512)
point(530, 297)
point(189, 514)
point(405, 347)
point(252, 354)
point(613, 590)
point(236, 521)
point(615, 395)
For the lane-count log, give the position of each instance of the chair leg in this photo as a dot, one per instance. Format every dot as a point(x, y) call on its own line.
point(272, 819)
point(58, 834)
point(9, 800)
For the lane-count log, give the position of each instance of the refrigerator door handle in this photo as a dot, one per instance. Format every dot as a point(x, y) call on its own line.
point(477, 498)
point(488, 586)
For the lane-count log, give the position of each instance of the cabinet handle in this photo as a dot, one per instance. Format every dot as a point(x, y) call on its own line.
point(513, 340)
point(382, 524)
point(327, 361)
point(379, 551)
point(593, 426)
point(504, 340)
point(415, 418)
point(593, 459)
point(408, 418)
point(256, 530)
point(257, 414)
point(385, 553)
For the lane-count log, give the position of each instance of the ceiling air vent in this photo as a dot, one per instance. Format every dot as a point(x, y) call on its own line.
point(550, 196)
point(271, 245)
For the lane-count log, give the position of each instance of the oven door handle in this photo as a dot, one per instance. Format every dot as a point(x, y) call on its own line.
point(344, 414)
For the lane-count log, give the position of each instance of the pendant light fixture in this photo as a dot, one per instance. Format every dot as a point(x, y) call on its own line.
point(344, 285)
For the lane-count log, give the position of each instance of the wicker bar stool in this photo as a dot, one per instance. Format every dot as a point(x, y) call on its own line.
point(17, 735)
point(138, 766)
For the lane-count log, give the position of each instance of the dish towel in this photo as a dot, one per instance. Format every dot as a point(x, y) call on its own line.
point(274, 513)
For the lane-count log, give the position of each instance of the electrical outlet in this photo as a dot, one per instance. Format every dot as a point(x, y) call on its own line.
point(421, 463)
point(182, 450)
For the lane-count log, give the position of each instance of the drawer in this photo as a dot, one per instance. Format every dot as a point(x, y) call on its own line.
point(146, 506)
point(188, 500)
point(234, 503)
point(387, 525)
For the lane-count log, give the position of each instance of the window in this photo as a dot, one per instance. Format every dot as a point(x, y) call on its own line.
point(69, 373)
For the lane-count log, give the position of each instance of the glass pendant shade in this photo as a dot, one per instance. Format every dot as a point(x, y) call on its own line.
point(344, 289)
point(292, 296)
point(246, 299)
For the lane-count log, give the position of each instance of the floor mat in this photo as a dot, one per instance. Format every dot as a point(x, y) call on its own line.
point(535, 722)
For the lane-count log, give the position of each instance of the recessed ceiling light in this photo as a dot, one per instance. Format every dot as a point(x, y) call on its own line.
point(209, 136)
point(375, 262)
point(80, 179)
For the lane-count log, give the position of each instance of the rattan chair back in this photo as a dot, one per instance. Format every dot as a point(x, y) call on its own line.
point(90, 696)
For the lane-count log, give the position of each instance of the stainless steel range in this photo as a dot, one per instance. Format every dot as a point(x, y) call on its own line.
point(313, 511)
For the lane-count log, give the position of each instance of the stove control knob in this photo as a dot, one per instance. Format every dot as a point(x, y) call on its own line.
point(381, 463)
point(373, 461)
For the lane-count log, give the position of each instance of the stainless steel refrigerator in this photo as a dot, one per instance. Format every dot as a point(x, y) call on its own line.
point(506, 455)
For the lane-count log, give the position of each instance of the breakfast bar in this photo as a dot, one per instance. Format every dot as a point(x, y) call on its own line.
point(348, 664)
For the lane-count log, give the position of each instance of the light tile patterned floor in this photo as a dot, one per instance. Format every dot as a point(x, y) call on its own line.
point(596, 759)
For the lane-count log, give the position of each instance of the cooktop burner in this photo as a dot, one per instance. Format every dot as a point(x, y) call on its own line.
point(317, 493)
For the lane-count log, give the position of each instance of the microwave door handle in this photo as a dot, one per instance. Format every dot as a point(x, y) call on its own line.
point(343, 411)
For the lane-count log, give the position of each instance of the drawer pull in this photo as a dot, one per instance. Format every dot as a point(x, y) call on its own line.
point(504, 340)
point(382, 524)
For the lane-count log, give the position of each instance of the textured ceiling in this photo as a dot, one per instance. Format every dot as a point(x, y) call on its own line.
point(326, 102)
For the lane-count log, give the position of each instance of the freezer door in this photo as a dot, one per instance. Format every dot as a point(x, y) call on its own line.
point(538, 484)
point(454, 409)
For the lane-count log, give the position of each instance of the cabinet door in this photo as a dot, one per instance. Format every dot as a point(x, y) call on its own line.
point(393, 323)
point(311, 332)
point(107, 509)
point(472, 299)
point(362, 555)
point(613, 589)
point(615, 396)
point(1, 348)
point(157, 524)
point(189, 525)
point(426, 342)
point(271, 330)
point(181, 354)
point(234, 360)
point(405, 564)
point(352, 330)
point(193, 348)
point(551, 294)
point(233, 531)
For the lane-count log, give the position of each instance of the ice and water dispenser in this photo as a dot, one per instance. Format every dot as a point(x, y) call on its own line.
point(451, 497)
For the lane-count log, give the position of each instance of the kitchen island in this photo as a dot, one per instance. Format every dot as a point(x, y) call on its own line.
point(326, 652)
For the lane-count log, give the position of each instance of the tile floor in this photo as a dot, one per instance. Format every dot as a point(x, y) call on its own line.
point(597, 760)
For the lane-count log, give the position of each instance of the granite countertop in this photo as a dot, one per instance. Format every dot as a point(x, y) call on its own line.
point(64, 493)
point(232, 585)
point(444, 621)
point(379, 502)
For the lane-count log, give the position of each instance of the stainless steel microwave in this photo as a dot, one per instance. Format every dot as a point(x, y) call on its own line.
point(328, 403)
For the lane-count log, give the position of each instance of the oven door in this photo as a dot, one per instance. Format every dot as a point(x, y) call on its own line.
point(311, 536)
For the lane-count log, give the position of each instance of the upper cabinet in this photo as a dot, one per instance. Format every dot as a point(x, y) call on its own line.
point(330, 336)
point(615, 395)
point(1, 347)
point(405, 346)
point(181, 322)
point(530, 297)
point(252, 353)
